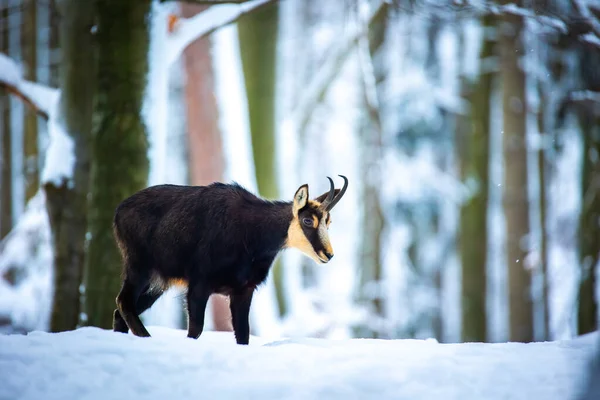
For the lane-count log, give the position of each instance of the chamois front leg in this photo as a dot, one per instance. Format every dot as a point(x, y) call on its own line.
point(240, 311)
point(197, 298)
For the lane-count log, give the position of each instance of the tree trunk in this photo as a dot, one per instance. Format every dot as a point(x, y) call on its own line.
point(542, 178)
point(474, 154)
point(371, 136)
point(206, 161)
point(119, 162)
point(515, 200)
point(589, 228)
point(6, 219)
point(30, 122)
point(257, 34)
point(67, 204)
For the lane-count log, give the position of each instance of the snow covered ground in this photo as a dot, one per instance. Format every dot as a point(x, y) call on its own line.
point(91, 363)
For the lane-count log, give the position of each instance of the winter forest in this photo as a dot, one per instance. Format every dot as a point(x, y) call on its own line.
point(469, 131)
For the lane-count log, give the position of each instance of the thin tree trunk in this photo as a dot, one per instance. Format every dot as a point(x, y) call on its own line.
point(67, 204)
point(589, 232)
point(30, 124)
point(257, 34)
point(371, 136)
point(206, 162)
point(542, 167)
point(589, 227)
point(119, 166)
point(474, 154)
point(6, 220)
point(515, 200)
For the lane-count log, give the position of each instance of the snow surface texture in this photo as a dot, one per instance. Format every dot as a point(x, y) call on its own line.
point(91, 363)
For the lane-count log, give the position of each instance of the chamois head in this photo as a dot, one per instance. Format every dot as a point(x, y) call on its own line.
point(311, 219)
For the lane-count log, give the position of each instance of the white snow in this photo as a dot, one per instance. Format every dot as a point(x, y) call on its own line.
point(91, 363)
point(26, 252)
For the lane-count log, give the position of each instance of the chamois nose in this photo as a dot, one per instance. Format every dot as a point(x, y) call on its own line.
point(328, 255)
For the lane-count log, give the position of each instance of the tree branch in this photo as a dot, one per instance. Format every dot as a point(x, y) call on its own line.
point(39, 97)
point(318, 86)
point(26, 99)
point(190, 29)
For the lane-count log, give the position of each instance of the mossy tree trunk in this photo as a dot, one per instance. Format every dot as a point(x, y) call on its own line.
point(119, 166)
point(515, 196)
point(30, 122)
point(6, 193)
point(473, 144)
point(67, 203)
point(257, 34)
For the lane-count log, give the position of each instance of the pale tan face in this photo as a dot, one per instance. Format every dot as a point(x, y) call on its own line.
point(308, 231)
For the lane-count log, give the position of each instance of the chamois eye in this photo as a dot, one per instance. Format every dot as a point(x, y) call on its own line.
point(307, 222)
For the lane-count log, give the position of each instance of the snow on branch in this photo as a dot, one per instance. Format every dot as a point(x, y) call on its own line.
point(187, 30)
point(60, 157)
point(39, 97)
point(317, 88)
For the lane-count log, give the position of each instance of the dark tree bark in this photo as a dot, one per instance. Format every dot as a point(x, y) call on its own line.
point(473, 145)
point(67, 204)
point(589, 227)
point(515, 196)
point(119, 161)
point(6, 192)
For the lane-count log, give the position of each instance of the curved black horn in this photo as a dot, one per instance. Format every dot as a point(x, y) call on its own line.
point(331, 204)
point(329, 197)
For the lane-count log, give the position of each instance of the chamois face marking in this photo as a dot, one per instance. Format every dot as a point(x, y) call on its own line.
point(308, 231)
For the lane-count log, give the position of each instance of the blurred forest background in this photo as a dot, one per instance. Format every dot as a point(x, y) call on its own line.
point(469, 131)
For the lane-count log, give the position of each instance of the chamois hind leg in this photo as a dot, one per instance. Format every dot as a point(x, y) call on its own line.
point(144, 302)
point(197, 298)
point(133, 286)
point(240, 311)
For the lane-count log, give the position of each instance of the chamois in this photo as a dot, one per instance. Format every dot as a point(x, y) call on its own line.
point(218, 238)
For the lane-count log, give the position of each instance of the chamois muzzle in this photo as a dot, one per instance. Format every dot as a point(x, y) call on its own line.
point(330, 201)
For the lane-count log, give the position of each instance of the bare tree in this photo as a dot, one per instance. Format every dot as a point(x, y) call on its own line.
point(589, 229)
point(30, 124)
point(515, 196)
point(473, 143)
point(6, 220)
point(66, 203)
point(257, 34)
point(206, 160)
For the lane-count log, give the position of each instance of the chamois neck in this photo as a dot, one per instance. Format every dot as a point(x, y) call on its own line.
point(272, 221)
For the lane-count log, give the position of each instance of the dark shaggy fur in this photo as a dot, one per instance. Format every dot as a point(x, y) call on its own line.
point(218, 238)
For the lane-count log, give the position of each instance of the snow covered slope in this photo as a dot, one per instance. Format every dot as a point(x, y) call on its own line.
point(90, 363)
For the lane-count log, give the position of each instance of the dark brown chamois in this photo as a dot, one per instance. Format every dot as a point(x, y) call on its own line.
point(218, 238)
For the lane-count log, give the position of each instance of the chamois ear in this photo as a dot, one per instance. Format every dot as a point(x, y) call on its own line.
point(300, 199)
point(322, 197)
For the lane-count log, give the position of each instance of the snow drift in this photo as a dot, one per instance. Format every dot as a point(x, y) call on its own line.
point(91, 363)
